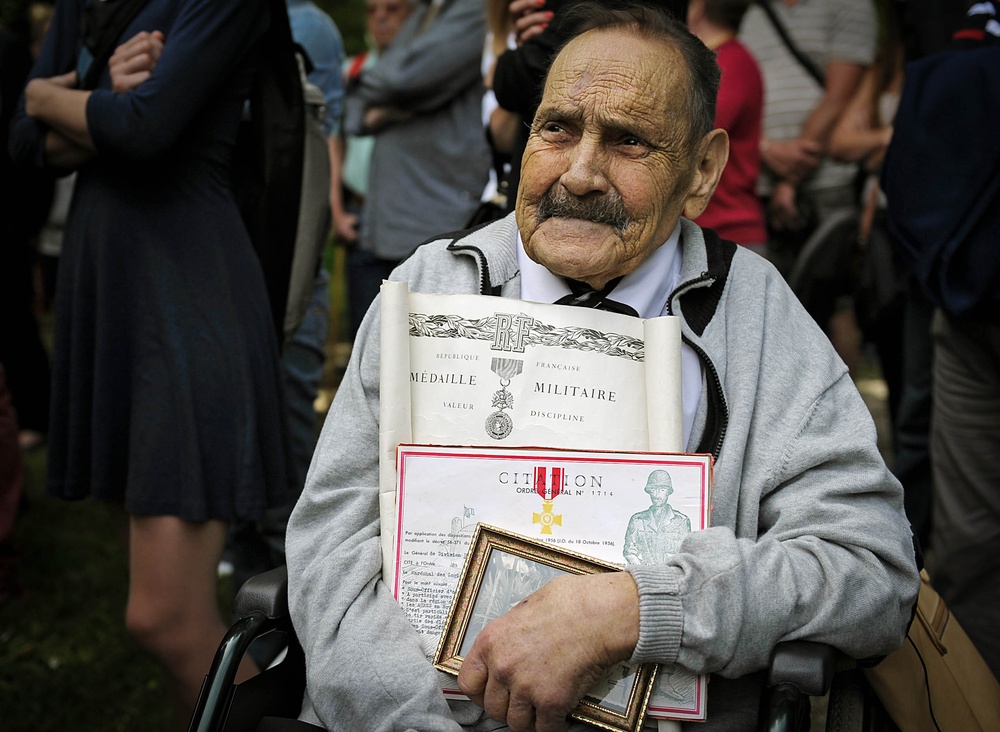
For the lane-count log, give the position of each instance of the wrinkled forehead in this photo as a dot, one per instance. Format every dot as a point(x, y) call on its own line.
point(617, 70)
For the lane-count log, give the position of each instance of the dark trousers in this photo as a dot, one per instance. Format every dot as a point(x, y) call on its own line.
point(965, 443)
point(912, 421)
point(365, 273)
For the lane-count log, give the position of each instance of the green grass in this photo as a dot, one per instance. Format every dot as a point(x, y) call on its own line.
point(66, 661)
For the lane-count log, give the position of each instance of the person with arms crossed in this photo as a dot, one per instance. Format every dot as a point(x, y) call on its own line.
point(383, 20)
point(421, 100)
point(167, 395)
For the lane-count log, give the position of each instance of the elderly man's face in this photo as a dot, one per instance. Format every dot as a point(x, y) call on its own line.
point(608, 170)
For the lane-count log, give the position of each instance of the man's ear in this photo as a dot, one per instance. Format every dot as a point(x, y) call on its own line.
point(713, 152)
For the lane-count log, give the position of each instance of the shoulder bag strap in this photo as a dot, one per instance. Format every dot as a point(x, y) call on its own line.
point(811, 67)
point(355, 68)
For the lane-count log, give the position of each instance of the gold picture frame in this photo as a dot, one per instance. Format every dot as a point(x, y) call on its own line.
point(501, 569)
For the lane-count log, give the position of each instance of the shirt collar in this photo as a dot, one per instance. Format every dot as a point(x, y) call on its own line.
point(645, 289)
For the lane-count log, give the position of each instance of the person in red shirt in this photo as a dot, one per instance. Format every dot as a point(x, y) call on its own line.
point(735, 211)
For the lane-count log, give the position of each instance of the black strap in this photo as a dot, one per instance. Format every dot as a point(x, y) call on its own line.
point(101, 27)
point(811, 67)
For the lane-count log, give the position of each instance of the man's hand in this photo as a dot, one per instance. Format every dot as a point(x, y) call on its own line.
point(791, 159)
point(378, 117)
point(345, 225)
point(528, 19)
point(784, 211)
point(133, 61)
point(531, 666)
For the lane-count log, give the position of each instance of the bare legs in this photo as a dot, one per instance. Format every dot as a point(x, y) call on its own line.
point(172, 608)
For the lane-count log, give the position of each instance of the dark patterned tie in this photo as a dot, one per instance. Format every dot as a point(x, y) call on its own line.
point(583, 295)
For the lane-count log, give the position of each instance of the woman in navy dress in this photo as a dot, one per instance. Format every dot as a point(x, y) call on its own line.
point(166, 386)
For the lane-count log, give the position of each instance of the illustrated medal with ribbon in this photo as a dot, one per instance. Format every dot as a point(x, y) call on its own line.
point(499, 424)
point(548, 488)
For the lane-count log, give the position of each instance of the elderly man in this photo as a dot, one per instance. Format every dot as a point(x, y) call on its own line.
point(809, 539)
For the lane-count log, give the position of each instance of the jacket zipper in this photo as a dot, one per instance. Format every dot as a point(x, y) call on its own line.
point(484, 268)
point(718, 412)
point(717, 419)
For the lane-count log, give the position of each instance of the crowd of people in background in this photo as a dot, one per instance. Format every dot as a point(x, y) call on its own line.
point(159, 311)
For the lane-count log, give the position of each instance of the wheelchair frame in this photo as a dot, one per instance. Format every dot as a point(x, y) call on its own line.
point(798, 670)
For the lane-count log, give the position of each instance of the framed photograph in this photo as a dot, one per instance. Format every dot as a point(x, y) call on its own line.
point(501, 569)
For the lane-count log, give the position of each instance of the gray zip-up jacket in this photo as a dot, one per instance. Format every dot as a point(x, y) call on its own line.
point(809, 540)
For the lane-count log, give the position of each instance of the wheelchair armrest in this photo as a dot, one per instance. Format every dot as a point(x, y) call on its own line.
point(806, 666)
point(266, 593)
point(798, 670)
point(261, 606)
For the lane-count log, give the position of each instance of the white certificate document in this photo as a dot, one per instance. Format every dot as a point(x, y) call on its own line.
point(478, 370)
point(621, 507)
